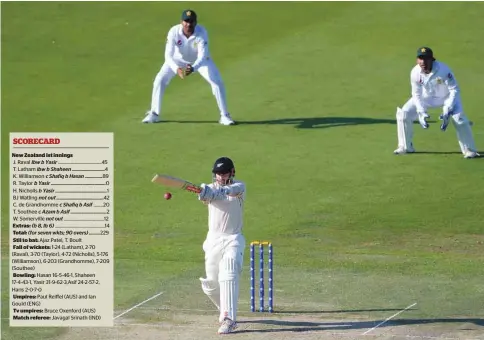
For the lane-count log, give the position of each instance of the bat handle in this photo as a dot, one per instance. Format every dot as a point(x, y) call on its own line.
point(194, 189)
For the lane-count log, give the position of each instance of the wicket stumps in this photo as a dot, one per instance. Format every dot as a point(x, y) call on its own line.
point(261, 245)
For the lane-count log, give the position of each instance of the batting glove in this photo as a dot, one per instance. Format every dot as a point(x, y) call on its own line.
point(206, 194)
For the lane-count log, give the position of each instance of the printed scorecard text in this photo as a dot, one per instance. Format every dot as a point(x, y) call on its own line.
point(61, 229)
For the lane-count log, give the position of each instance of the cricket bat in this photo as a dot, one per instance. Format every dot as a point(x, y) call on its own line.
point(175, 182)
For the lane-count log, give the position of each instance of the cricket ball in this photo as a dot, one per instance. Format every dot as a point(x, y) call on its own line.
point(167, 196)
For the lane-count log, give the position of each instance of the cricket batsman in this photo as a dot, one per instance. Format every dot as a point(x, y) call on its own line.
point(224, 244)
point(433, 85)
point(187, 52)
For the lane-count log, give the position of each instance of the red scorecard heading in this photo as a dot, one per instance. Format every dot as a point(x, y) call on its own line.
point(36, 141)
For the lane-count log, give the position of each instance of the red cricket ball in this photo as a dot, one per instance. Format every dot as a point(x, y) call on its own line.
point(167, 196)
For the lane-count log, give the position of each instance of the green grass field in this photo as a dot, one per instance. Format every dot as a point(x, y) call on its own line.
point(358, 233)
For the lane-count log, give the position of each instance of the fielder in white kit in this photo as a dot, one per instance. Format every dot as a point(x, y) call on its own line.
point(224, 244)
point(433, 85)
point(187, 52)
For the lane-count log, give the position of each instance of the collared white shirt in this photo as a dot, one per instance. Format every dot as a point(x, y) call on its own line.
point(440, 84)
point(180, 49)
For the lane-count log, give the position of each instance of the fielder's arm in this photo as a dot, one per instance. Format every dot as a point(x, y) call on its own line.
point(202, 46)
point(454, 90)
point(170, 51)
point(417, 91)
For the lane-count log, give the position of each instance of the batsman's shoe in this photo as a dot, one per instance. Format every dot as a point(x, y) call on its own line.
point(151, 117)
point(402, 150)
point(471, 154)
point(227, 326)
point(226, 120)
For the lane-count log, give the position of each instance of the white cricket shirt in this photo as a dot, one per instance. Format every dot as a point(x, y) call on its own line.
point(440, 84)
point(192, 50)
point(226, 215)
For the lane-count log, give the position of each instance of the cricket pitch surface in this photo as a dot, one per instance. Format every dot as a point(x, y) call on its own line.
point(153, 324)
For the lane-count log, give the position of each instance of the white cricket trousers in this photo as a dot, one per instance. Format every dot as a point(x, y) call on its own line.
point(408, 114)
point(224, 256)
point(208, 70)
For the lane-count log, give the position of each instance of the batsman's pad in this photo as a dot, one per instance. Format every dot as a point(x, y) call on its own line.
point(404, 128)
point(229, 288)
point(211, 289)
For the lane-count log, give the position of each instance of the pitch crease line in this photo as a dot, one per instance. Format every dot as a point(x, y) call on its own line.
point(389, 318)
point(139, 304)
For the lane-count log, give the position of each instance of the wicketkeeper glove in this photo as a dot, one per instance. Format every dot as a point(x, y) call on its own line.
point(445, 118)
point(422, 119)
point(188, 70)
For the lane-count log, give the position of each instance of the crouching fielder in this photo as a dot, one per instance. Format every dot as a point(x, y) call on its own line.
point(433, 85)
point(187, 52)
point(224, 245)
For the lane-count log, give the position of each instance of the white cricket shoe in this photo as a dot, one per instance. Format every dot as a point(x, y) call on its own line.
point(227, 326)
point(151, 117)
point(470, 154)
point(402, 150)
point(226, 120)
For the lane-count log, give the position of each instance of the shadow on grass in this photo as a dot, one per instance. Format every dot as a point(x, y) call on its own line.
point(446, 153)
point(304, 326)
point(438, 152)
point(301, 123)
point(340, 311)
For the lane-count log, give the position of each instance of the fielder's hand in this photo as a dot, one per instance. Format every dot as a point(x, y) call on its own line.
point(181, 73)
point(188, 70)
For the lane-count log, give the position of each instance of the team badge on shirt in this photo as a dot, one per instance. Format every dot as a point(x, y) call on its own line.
point(179, 42)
